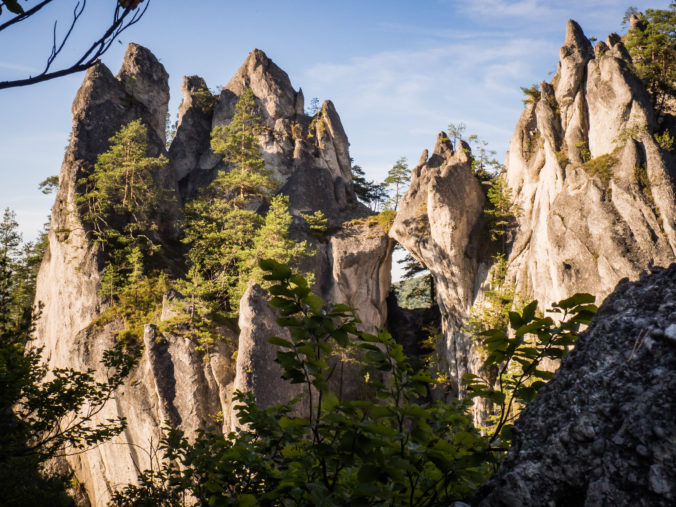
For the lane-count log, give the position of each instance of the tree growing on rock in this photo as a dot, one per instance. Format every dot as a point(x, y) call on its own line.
point(225, 233)
point(397, 180)
point(122, 198)
point(369, 192)
point(652, 46)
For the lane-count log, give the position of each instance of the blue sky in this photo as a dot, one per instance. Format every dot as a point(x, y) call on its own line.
point(398, 71)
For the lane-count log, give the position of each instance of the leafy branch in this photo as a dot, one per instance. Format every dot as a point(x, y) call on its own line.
point(517, 357)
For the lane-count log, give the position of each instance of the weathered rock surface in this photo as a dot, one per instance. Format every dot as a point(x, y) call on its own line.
point(298, 149)
point(595, 192)
point(438, 222)
point(257, 371)
point(69, 276)
point(603, 431)
point(175, 381)
point(593, 195)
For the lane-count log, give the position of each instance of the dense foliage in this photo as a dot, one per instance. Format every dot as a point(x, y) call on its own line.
point(652, 46)
point(43, 413)
point(122, 199)
point(516, 356)
point(225, 234)
point(394, 448)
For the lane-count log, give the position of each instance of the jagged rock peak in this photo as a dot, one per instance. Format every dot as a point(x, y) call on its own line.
point(576, 41)
point(146, 80)
point(443, 146)
point(269, 83)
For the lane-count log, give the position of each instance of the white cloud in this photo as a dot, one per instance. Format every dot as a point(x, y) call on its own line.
point(20, 68)
point(393, 103)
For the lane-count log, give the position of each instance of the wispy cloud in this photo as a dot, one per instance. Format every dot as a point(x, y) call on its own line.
point(409, 95)
point(14, 66)
point(520, 8)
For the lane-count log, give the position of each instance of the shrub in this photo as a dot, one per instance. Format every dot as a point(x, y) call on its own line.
point(601, 167)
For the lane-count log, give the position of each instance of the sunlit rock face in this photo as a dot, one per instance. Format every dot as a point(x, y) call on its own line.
point(175, 381)
point(593, 194)
point(602, 431)
point(438, 221)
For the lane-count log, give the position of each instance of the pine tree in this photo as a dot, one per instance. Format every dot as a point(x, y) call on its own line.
point(398, 178)
point(272, 241)
point(122, 198)
point(369, 192)
point(501, 211)
point(220, 227)
point(238, 143)
point(484, 165)
point(652, 46)
point(455, 133)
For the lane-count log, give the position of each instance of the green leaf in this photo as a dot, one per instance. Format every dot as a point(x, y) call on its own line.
point(545, 375)
point(529, 312)
point(314, 302)
point(342, 308)
point(494, 333)
point(528, 328)
point(515, 320)
point(525, 393)
point(329, 401)
point(246, 500)
point(280, 290)
point(507, 433)
point(298, 280)
point(496, 397)
point(278, 302)
point(577, 299)
point(280, 342)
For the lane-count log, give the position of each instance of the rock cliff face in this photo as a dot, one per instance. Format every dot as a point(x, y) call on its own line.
point(593, 194)
point(175, 382)
point(594, 189)
point(438, 222)
point(594, 202)
point(603, 431)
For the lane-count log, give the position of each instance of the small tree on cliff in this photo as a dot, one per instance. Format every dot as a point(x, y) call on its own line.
point(652, 46)
point(397, 180)
point(238, 143)
point(122, 198)
point(369, 192)
point(225, 234)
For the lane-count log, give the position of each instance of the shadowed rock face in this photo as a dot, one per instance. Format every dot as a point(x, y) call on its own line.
point(175, 382)
point(603, 431)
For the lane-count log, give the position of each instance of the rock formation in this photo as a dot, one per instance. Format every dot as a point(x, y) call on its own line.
point(603, 432)
point(593, 193)
point(438, 222)
point(175, 382)
point(594, 197)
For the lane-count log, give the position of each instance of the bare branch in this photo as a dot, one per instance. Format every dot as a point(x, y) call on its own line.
point(25, 15)
point(123, 18)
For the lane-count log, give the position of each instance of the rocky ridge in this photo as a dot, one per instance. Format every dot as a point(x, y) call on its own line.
point(592, 193)
point(175, 381)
